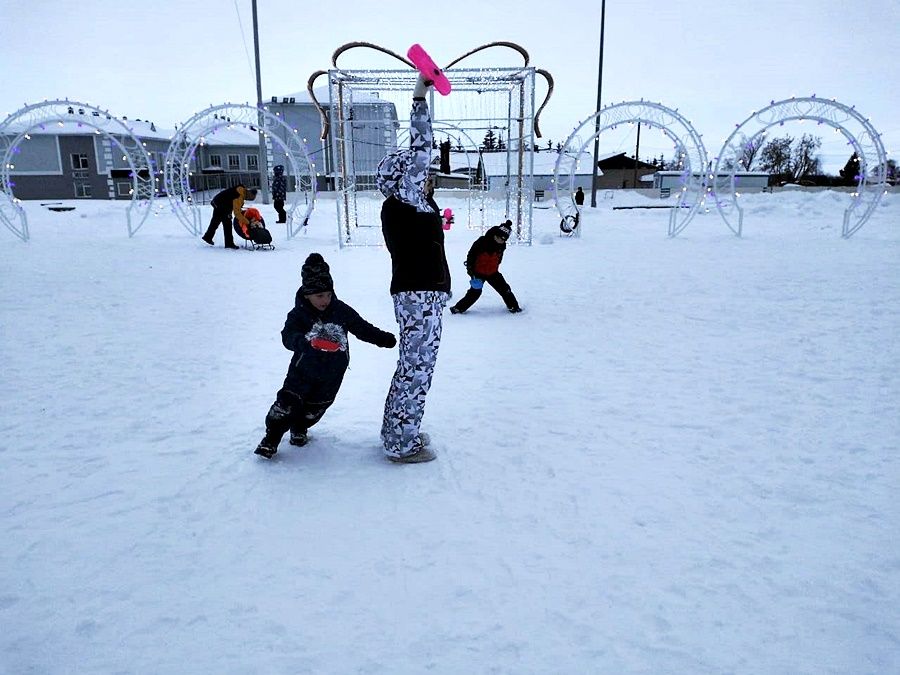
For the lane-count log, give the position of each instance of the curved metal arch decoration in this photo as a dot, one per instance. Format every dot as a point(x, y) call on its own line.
point(689, 149)
point(323, 117)
point(866, 142)
point(16, 128)
point(194, 131)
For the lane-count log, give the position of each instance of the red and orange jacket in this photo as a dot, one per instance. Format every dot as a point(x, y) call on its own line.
point(485, 255)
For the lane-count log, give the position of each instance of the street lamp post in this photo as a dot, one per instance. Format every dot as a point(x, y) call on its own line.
point(597, 121)
point(263, 163)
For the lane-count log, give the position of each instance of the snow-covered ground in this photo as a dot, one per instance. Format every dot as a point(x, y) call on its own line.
point(681, 458)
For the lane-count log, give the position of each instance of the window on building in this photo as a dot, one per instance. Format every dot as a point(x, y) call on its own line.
point(123, 188)
point(234, 162)
point(83, 190)
point(215, 160)
point(79, 161)
point(252, 162)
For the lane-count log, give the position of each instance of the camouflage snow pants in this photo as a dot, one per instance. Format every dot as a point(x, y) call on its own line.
point(419, 319)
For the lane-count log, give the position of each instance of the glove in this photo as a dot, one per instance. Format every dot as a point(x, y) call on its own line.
point(422, 86)
point(387, 340)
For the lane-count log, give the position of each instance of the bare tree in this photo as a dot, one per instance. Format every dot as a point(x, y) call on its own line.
point(750, 148)
point(804, 161)
point(775, 156)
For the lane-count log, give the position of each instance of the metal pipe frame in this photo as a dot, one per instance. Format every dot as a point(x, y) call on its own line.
point(516, 85)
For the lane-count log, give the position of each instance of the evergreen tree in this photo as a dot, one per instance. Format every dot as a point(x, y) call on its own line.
point(489, 143)
point(850, 172)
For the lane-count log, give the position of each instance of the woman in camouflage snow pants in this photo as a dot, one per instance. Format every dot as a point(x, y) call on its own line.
point(420, 282)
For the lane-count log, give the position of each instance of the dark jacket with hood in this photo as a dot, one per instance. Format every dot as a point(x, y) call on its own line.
point(321, 347)
point(233, 199)
point(279, 183)
point(486, 254)
point(410, 222)
point(416, 244)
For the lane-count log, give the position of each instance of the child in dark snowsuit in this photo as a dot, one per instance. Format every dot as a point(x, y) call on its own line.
point(483, 264)
point(316, 332)
point(279, 192)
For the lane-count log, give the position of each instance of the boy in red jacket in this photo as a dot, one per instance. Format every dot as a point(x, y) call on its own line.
point(483, 264)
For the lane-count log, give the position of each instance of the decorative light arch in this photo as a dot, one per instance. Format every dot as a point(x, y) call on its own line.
point(16, 129)
point(193, 133)
point(866, 142)
point(689, 151)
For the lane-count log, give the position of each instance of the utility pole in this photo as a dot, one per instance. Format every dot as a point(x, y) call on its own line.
point(597, 121)
point(637, 150)
point(261, 120)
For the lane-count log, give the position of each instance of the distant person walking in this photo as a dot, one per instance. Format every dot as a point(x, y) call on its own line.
point(279, 192)
point(579, 197)
point(229, 202)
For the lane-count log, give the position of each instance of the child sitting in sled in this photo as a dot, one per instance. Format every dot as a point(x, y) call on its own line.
point(254, 230)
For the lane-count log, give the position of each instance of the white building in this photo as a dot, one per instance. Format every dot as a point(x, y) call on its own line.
point(668, 182)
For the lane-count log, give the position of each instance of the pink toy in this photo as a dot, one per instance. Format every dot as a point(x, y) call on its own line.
point(429, 70)
point(448, 218)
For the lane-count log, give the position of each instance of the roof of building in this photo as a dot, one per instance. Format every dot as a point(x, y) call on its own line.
point(544, 163)
point(323, 96)
point(84, 124)
point(621, 161)
point(88, 123)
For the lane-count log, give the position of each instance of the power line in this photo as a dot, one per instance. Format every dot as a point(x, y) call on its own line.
point(243, 38)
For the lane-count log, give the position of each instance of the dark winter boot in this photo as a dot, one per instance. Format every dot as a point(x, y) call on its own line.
point(511, 303)
point(466, 301)
point(266, 448)
point(299, 438)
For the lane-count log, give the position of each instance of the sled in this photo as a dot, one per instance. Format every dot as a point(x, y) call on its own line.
point(429, 69)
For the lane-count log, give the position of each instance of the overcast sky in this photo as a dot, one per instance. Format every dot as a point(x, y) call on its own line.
point(715, 61)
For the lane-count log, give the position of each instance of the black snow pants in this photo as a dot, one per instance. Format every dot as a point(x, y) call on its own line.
point(498, 283)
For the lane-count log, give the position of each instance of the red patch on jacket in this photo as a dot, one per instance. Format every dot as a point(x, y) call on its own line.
point(487, 263)
point(324, 345)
